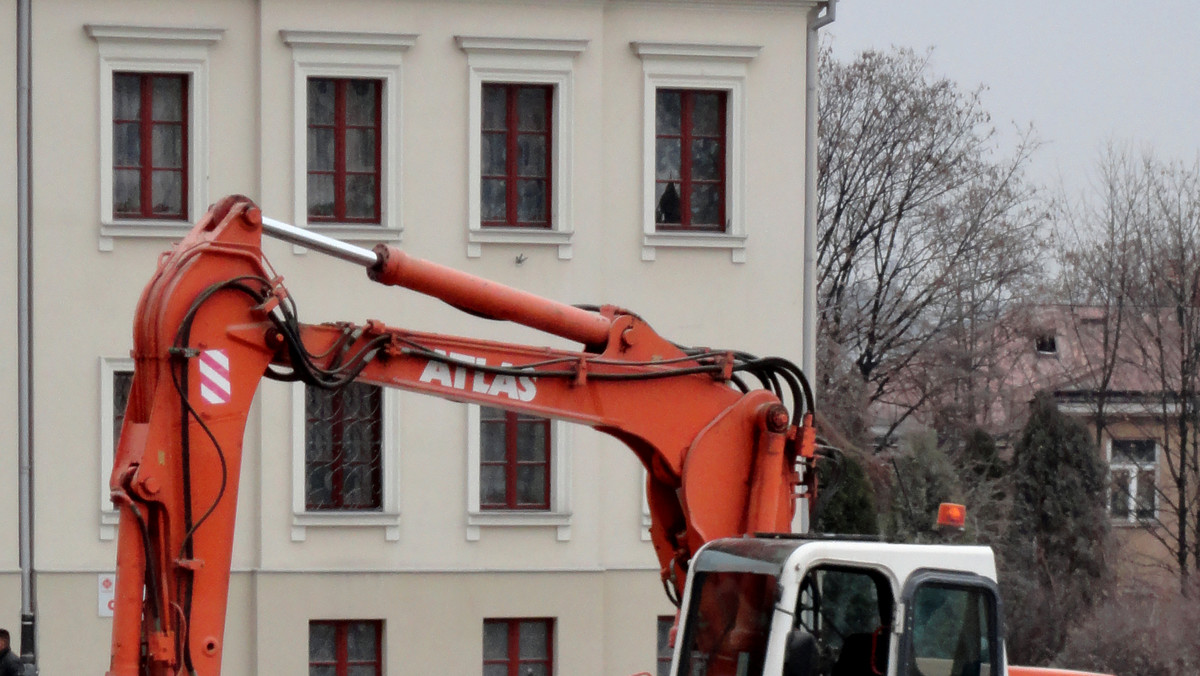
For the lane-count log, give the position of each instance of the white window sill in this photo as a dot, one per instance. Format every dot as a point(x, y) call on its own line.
point(388, 521)
point(109, 519)
point(149, 228)
point(477, 237)
point(519, 519)
point(694, 240)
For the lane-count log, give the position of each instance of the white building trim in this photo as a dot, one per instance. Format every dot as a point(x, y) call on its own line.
point(339, 54)
point(677, 65)
point(526, 61)
point(387, 518)
point(148, 49)
point(559, 514)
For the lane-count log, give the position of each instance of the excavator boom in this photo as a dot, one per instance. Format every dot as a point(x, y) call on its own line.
point(724, 454)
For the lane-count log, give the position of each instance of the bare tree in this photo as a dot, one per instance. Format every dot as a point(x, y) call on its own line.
point(922, 229)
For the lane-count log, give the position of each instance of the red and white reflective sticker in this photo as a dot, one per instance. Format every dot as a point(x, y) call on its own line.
point(214, 377)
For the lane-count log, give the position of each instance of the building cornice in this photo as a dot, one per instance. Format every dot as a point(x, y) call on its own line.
point(165, 34)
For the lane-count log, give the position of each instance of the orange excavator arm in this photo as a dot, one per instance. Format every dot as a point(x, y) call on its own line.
point(724, 455)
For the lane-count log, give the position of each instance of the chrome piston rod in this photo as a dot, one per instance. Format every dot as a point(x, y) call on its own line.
point(317, 242)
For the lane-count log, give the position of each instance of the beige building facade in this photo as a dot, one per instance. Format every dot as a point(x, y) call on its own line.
point(431, 568)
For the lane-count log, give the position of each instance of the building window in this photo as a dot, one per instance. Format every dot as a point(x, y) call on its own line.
point(346, 131)
point(343, 448)
point(694, 146)
point(153, 111)
point(514, 461)
point(665, 622)
point(344, 134)
point(150, 145)
point(520, 121)
point(689, 160)
point(345, 648)
point(518, 647)
point(1132, 471)
point(1046, 343)
point(517, 144)
point(116, 381)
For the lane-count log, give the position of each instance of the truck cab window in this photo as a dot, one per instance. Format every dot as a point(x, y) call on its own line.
point(951, 631)
point(848, 611)
point(730, 622)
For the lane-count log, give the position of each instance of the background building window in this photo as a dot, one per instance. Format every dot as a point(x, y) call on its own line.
point(344, 150)
point(343, 448)
point(345, 648)
point(1132, 468)
point(518, 647)
point(150, 145)
point(665, 622)
point(689, 159)
point(122, 382)
point(514, 460)
point(516, 147)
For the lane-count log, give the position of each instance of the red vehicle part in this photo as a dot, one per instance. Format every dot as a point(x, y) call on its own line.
point(722, 457)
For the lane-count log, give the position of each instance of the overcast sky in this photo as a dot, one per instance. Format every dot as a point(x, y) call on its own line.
point(1082, 71)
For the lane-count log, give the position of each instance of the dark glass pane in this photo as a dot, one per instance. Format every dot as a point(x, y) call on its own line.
point(167, 99)
point(1133, 450)
point(362, 98)
point(361, 145)
point(494, 155)
point(493, 200)
point(492, 441)
point(321, 642)
point(358, 487)
point(361, 641)
point(318, 441)
point(531, 484)
point(320, 149)
point(321, 92)
point(360, 196)
point(166, 144)
point(531, 441)
point(127, 144)
point(706, 160)
point(531, 108)
point(1119, 493)
point(495, 670)
point(532, 670)
point(706, 114)
point(166, 192)
point(127, 191)
point(361, 670)
point(531, 201)
point(667, 159)
point(127, 96)
point(667, 112)
point(706, 205)
point(492, 488)
point(318, 486)
point(495, 640)
point(322, 671)
point(533, 641)
point(1145, 494)
point(531, 156)
point(320, 195)
point(495, 107)
point(121, 384)
point(668, 203)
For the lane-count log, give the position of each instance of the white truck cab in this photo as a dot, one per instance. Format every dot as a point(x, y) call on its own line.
point(810, 606)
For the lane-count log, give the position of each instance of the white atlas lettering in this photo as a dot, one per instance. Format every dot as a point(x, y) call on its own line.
point(520, 388)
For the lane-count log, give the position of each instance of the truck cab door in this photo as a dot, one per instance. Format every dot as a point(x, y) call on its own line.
point(951, 625)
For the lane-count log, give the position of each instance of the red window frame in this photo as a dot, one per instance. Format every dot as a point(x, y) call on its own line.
point(145, 166)
point(340, 173)
point(685, 136)
point(339, 464)
point(512, 175)
point(513, 660)
point(511, 421)
point(342, 661)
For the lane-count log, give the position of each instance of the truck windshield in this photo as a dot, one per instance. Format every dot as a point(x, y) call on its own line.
point(728, 623)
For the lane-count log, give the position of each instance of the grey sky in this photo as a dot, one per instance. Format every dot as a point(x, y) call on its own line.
point(1082, 71)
